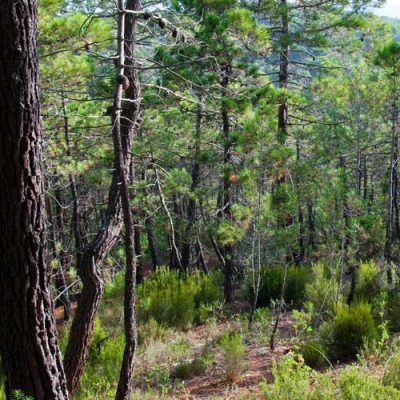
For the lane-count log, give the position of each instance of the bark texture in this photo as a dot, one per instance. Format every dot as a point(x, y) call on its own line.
point(29, 350)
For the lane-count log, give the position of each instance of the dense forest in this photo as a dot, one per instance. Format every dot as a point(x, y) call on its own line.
point(230, 166)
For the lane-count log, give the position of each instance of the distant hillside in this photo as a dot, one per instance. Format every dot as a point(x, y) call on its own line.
point(396, 26)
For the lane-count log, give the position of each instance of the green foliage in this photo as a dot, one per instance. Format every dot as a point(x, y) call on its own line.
point(173, 299)
point(369, 281)
point(392, 310)
point(389, 56)
point(115, 286)
point(356, 384)
point(233, 348)
point(159, 376)
point(292, 380)
point(272, 280)
point(320, 296)
point(186, 369)
point(19, 395)
point(150, 330)
point(103, 364)
point(391, 371)
point(313, 354)
point(349, 331)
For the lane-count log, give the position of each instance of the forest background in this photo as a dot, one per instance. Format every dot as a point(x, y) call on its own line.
point(259, 163)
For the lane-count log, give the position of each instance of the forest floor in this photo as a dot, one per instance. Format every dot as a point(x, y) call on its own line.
point(257, 368)
point(212, 382)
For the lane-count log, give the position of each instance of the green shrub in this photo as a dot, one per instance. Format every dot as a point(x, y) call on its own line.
point(182, 370)
point(313, 353)
point(19, 395)
point(234, 352)
point(392, 310)
point(292, 380)
point(391, 373)
point(103, 363)
point(173, 299)
point(115, 285)
point(151, 329)
point(320, 295)
point(295, 381)
point(348, 331)
point(185, 369)
point(272, 278)
point(356, 384)
point(208, 288)
point(160, 377)
point(369, 281)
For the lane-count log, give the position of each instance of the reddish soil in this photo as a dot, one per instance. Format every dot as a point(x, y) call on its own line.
point(213, 382)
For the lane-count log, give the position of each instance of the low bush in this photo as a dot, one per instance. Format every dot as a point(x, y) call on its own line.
point(356, 384)
point(292, 380)
point(173, 299)
point(392, 310)
point(233, 348)
point(348, 331)
point(272, 279)
point(320, 294)
point(391, 373)
point(185, 369)
point(370, 281)
point(103, 364)
point(313, 354)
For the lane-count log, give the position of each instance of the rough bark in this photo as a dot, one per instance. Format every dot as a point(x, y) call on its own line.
point(28, 338)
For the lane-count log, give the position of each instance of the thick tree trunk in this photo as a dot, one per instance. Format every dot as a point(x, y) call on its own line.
point(28, 338)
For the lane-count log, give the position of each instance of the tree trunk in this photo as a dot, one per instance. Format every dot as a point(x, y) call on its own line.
point(95, 252)
point(126, 40)
point(392, 221)
point(175, 257)
point(192, 206)
point(283, 75)
point(76, 210)
point(151, 238)
point(224, 207)
point(311, 225)
point(138, 251)
point(61, 285)
point(28, 338)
